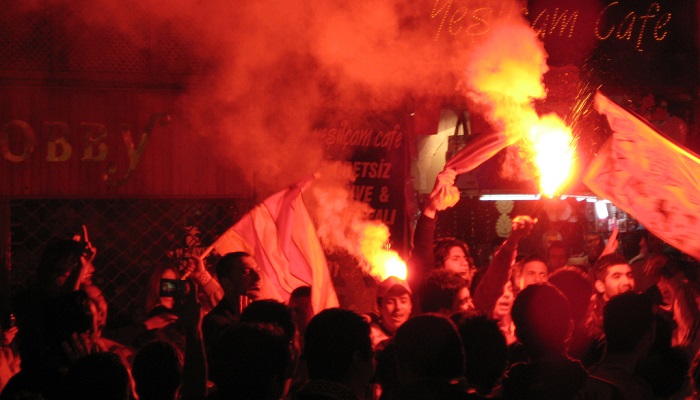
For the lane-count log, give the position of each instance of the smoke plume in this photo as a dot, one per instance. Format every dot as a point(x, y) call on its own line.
point(270, 70)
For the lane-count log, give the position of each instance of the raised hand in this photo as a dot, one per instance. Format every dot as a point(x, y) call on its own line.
point(160, 321)
point(522, 226)
point(444, 194)
point(79, 345)
point(90, 250)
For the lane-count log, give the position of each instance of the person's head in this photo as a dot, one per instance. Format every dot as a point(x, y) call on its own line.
point(98, 376)
point(60, 259)
point(557, 255)
point(250, 361)
point(338, 347)
point(533, 269)
point(301, 307)
point(453, 255)
point(650, 243)
point(667, 366)
point(445, 292)
point(505, 302)
point(671, 279)
point(485, 349)
point(613, 275)
point(276, 314)
point(577, 288)
point(239, 275)
point(270, 312)
point(429, 346)
point(157, 371)
point(153, 297)
point(542, 320)
point(628, 321)
point(67, 315)
point(395, 302)
point(593, 246)
point(549, 237)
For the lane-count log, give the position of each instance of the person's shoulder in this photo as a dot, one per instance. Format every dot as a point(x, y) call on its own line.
point(317, 389)
point(379, 337)
point(517, 376)
point(435, 389)
point(223, 310)
point(598, 388)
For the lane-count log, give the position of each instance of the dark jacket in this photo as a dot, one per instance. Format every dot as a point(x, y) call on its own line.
point(560, 379)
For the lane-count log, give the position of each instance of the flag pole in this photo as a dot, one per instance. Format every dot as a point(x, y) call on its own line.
point(206, 252)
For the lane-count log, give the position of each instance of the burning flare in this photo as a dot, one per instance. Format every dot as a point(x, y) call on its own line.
point(505, 76)
point(552, 145)
point(383, 263)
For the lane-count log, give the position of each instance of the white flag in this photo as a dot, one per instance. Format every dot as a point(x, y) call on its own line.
point(648, 176)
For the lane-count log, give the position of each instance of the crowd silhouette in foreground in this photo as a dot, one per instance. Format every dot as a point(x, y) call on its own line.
point(526, 326)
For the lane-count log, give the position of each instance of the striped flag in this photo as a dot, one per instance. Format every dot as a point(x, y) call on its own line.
point(650, 177)
point(281, 236)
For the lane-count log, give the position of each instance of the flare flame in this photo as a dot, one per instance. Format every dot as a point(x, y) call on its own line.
point(383, 263)
point(553, 152)
point(505, 79)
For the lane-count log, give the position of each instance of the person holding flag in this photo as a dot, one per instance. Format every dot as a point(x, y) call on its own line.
point(239, 277)
point(279, 235)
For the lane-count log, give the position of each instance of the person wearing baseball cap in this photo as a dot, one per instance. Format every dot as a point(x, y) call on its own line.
point(395, 302)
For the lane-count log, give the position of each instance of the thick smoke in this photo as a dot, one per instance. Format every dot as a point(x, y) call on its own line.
point(340, 219)
point(504, 81)
point(272, 70)
point(343, 223)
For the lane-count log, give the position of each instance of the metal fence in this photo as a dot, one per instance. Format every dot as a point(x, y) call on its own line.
point(135, 236)
point(132, 237)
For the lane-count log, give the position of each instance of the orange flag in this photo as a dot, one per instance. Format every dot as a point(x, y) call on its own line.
point(649, 176)
point(281, 236)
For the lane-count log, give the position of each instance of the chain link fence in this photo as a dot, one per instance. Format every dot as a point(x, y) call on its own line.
point(132, 237)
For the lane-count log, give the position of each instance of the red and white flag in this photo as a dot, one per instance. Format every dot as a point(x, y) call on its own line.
point(479, 149)
point(281, 236)
point(648, 176)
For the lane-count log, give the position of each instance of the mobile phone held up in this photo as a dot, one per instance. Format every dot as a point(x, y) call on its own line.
point(175, 288)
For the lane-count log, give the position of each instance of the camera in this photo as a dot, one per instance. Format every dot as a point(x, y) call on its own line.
point(176, 288)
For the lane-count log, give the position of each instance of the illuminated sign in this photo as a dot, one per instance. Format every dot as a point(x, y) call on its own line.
point(628, 41)
point(635, 22)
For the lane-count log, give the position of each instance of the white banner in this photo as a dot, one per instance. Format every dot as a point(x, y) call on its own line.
point(648, 176)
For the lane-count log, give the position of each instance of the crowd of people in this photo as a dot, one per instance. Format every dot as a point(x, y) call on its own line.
point(526, 326)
